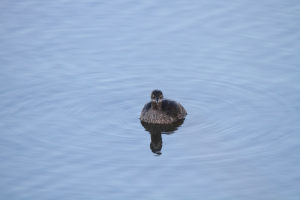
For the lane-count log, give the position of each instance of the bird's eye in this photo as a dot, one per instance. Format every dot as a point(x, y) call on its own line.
point(153, 96)
point(160, 96)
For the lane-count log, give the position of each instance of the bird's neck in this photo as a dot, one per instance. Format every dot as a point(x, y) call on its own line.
point(156, 106)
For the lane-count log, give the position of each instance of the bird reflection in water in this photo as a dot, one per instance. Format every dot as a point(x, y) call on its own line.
point(156, 130)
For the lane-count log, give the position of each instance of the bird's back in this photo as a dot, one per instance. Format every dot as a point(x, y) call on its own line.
point(171, 111)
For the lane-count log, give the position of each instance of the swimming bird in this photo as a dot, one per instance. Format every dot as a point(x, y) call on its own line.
point(162, 111)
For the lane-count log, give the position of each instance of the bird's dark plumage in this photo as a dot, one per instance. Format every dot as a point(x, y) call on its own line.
point(162, 111)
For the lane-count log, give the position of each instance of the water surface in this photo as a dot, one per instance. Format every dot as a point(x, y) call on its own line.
point(74, 77)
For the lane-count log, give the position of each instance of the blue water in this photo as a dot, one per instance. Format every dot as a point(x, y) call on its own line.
point(75, 75)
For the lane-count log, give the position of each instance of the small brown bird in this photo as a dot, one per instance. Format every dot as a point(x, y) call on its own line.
point(162, 111)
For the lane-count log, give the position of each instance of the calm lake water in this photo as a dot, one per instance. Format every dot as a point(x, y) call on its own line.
point(75, 75)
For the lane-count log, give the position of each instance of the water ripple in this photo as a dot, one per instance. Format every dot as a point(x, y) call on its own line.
point(239, 116)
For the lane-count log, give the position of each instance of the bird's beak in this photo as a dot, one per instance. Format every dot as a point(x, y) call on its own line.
point(156, 101)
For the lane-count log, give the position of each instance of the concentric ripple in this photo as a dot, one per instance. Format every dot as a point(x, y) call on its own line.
point(241, 115)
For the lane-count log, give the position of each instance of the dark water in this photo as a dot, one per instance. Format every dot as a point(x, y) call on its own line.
point(74, 77)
